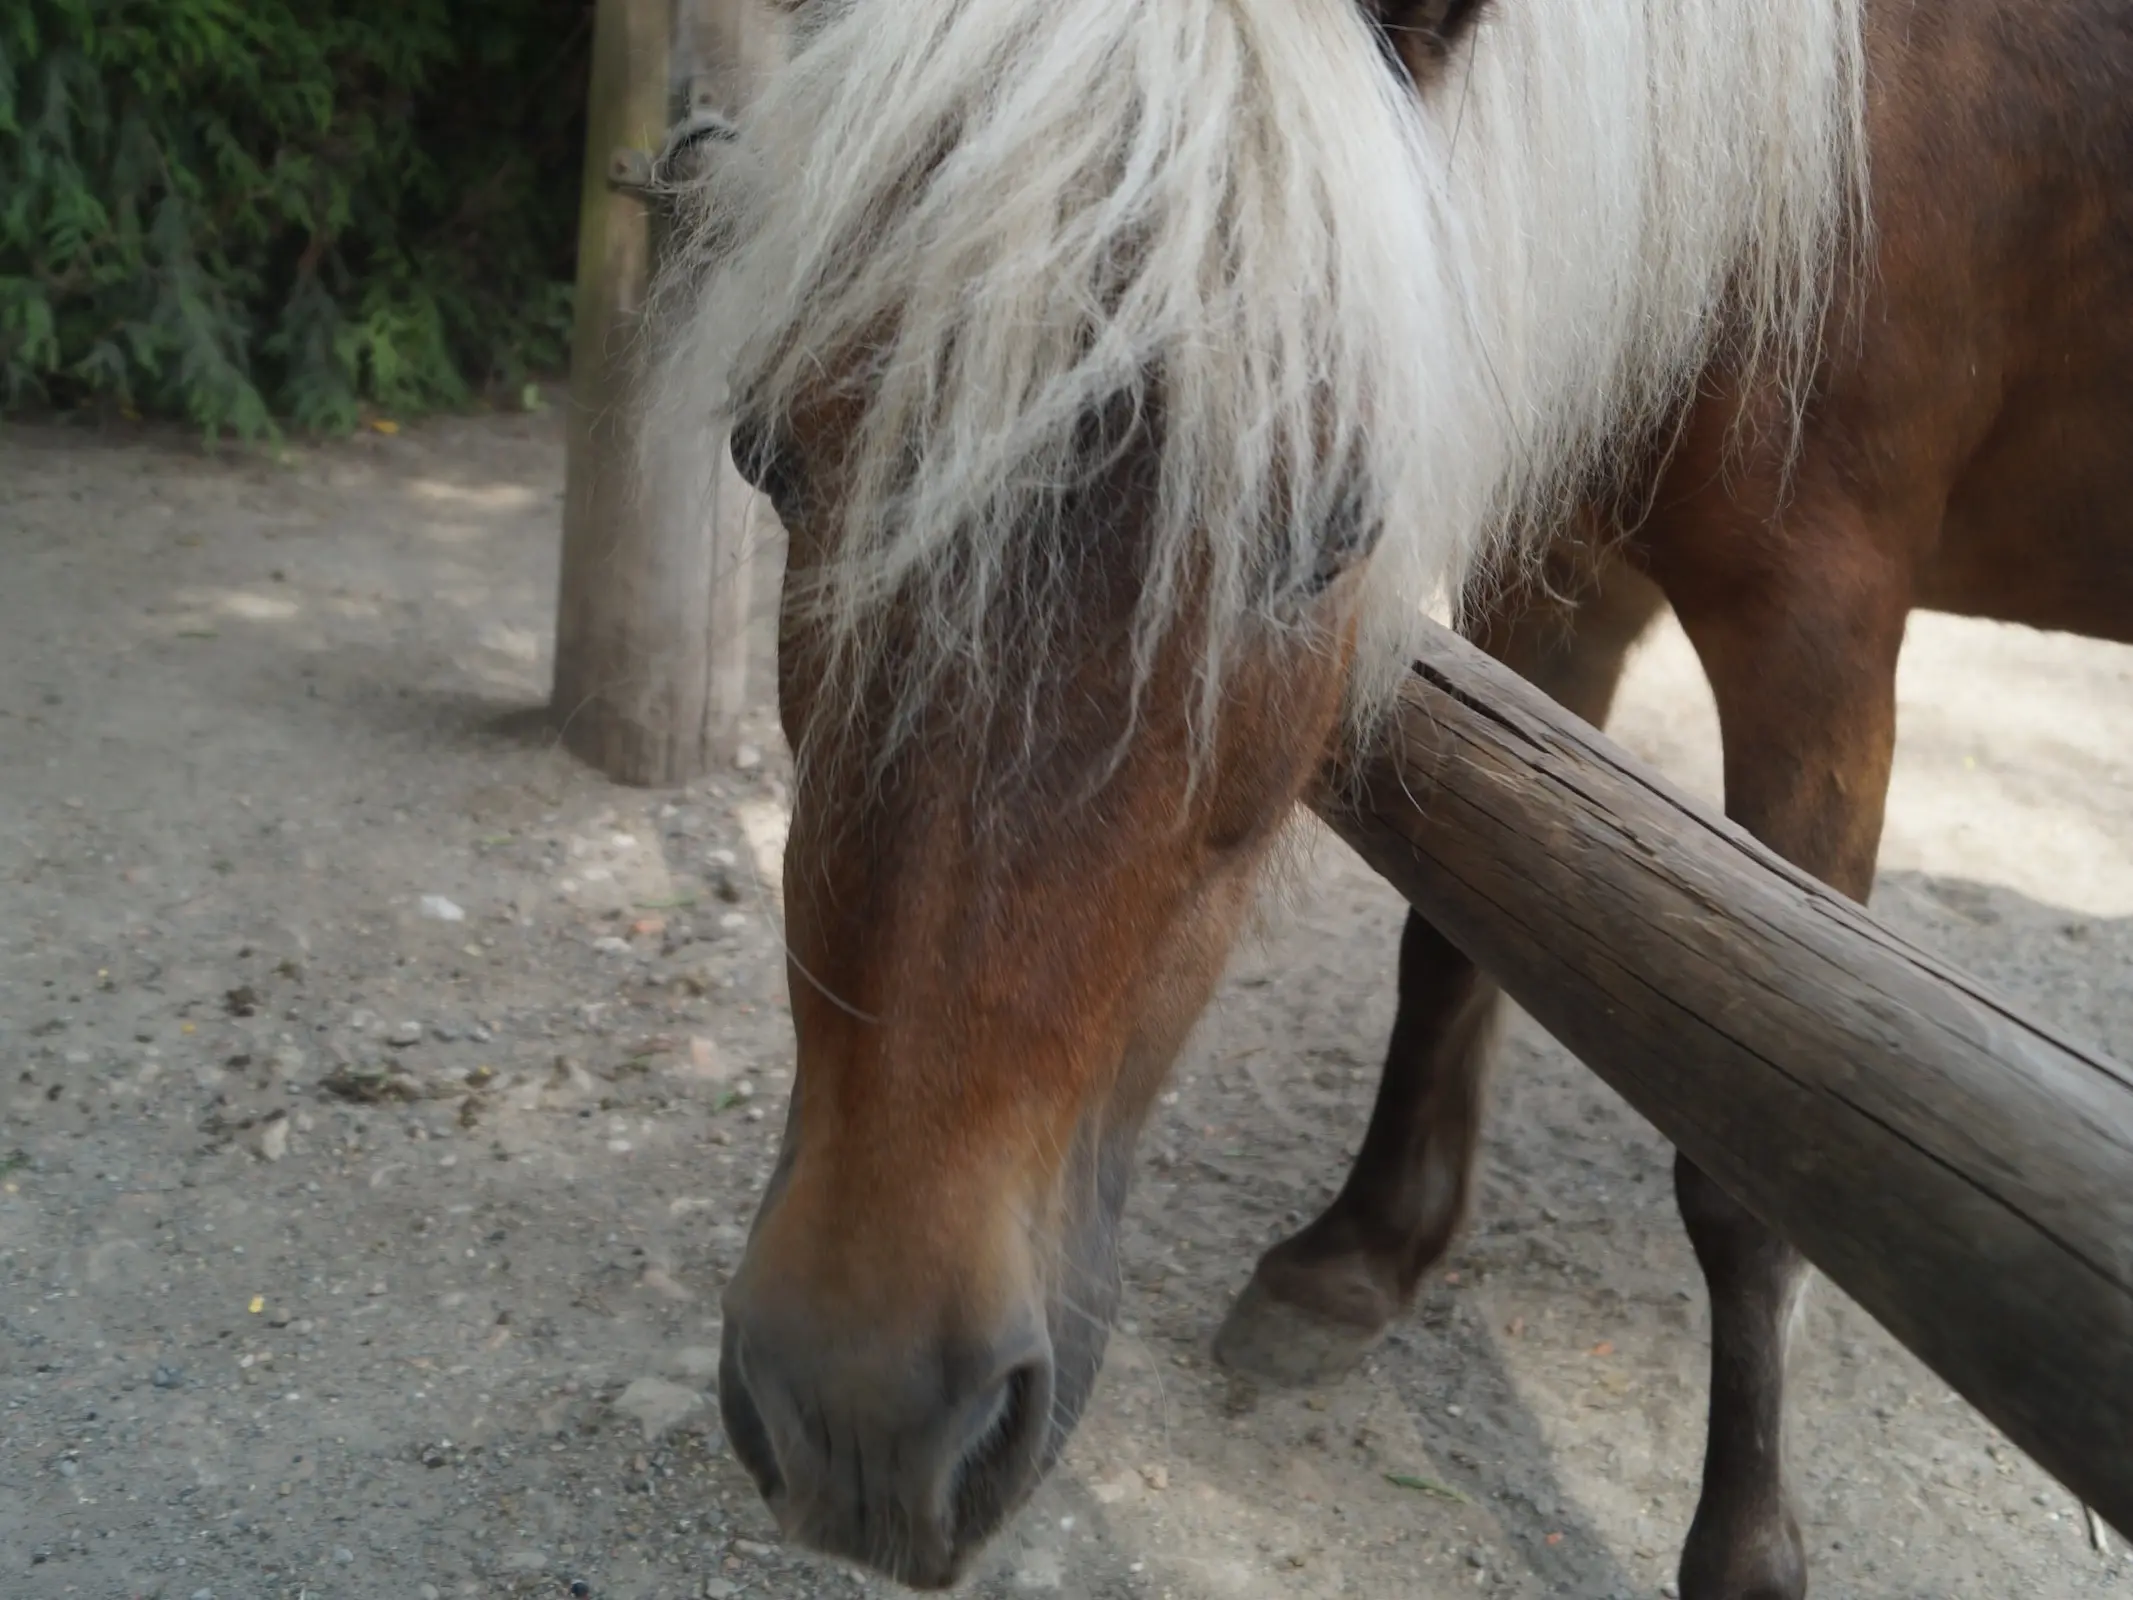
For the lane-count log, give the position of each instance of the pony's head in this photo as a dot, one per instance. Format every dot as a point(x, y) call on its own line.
point(1128, 374)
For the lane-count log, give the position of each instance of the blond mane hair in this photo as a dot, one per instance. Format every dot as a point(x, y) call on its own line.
point(1328, 295)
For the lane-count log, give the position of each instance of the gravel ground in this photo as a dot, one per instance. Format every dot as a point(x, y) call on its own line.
point(383, 1098)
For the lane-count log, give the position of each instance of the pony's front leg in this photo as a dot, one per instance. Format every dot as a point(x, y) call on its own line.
point(1319, 1300)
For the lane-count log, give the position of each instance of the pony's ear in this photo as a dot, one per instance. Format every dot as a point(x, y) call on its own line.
point(1422, 33)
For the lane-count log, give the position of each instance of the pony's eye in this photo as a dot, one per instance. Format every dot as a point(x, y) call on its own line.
point(1438, 24)
point(762, 458)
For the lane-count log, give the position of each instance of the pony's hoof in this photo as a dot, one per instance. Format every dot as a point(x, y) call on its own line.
point(1279, 1342)
point(1747, 1558)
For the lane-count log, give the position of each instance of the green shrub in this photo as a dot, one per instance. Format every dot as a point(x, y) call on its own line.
point(240, 210)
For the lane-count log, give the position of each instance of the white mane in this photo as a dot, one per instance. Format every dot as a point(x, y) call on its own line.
point(1433, 310)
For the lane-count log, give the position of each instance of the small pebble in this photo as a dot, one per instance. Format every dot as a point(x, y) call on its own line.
point(658, 1405)
point(747, 758)
point(404, 1034)
point(438, 909)
point(343, 1554)
point(698, 1363)
point(273, 1142)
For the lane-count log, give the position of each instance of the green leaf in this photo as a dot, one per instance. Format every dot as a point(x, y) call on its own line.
point(238, 210)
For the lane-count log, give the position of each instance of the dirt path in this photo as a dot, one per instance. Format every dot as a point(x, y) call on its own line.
point(382, 1099)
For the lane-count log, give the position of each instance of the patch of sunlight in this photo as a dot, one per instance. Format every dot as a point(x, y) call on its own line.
point(494, 497)
point(258, 607)
point(192, 609)
point(2063, 847)
point(764, 825)
point(467, 596)
point(506, 680)
point(516, 644)
point(1196, 1541)
point(2014, 754)
point(2014, 763)
point(1599, 1423)
point(1241, 1511)
point(1664, 713)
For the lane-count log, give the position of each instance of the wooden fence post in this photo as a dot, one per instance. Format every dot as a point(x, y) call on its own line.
point(651, 617)
point(722, 49)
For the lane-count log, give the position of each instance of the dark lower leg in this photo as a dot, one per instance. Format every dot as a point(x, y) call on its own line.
point(1323, 1297)
point(1744, 1543)
point(1319, 1300)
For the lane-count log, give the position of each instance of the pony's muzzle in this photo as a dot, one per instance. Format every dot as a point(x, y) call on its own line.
point(903, 1457)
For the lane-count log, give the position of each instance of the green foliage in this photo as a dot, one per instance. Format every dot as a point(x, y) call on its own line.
point(241, 210)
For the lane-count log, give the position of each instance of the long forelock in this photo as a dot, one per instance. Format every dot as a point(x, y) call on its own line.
point(1330, 298)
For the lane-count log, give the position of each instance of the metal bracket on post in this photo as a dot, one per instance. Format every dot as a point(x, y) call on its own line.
point(630, 172)
point(650, 178)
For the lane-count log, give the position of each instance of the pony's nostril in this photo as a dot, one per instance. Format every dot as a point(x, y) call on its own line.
point(908, 1470)
point(1002, 1459)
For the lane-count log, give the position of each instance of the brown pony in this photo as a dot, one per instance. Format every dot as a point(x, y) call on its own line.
point(1123, 370)
point(1968, 449)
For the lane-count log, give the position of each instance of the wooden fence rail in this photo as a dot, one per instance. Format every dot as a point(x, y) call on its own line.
point(1965, 1175)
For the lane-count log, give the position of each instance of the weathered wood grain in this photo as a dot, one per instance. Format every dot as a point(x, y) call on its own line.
point(652, 610)
point(1964, 1174)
